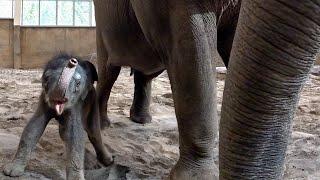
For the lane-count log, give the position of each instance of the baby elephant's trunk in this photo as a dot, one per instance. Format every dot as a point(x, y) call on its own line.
point(63, 84)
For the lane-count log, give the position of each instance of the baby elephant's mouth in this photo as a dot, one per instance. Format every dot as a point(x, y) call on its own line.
point(59, 105)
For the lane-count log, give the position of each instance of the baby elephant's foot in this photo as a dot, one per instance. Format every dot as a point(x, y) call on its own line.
point(106, 159)
point(180, 172)
point(14, 169)
point(141, 118)
point(104, 121)
point(75, 174)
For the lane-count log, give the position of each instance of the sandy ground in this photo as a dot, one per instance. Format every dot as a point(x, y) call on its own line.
point(148, 150)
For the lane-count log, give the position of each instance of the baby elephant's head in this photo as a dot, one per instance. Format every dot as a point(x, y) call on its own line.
point(66, 81)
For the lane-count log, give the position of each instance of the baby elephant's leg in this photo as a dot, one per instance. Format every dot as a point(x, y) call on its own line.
point(75, 143)
point(94, 134)
point(29, 138)
point(62, 131)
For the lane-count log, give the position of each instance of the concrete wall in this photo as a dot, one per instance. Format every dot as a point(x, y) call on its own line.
point(6, 43)
point(39, 44)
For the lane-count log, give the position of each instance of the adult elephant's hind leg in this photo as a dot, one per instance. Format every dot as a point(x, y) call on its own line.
point(139, 111)
point(107, 74)
point(192, 78)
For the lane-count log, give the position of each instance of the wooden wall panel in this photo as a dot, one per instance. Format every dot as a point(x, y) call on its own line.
point(6, 43)
point(39, 44)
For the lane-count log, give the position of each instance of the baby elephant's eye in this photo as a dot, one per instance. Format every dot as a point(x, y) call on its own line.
point(77, 78)
point(77, 86)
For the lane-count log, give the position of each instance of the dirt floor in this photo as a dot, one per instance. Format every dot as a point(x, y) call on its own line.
point(149, 151)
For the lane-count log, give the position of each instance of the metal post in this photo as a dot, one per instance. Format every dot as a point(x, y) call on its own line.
point(73, 13)
point(12, 3)
point(18, 12)
point(39, 13)
point(90, 14)
point(56, 12)
point(16, 34)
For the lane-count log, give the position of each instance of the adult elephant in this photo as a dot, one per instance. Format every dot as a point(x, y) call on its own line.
point(274, 48)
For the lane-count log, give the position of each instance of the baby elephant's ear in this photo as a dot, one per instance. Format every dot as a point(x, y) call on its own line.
point(91, 70)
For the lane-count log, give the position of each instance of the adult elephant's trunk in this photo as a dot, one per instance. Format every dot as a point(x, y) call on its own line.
point(275, 47)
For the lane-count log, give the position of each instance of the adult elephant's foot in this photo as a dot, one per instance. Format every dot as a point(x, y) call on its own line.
point(182, 171)
point(14, 169)
point(104, 121)
point(141, 117)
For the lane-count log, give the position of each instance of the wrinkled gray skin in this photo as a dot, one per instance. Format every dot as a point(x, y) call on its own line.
point(68, 96)
point(142, 39)
point(273, 49)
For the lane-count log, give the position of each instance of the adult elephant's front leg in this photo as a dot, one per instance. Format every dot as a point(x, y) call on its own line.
point(192, 78)
point(274, 48)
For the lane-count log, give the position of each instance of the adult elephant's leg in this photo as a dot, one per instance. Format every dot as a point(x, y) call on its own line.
point(274, 48)
point(139, 111)
point(184, 32)
point(107, 74)
point(192, 77)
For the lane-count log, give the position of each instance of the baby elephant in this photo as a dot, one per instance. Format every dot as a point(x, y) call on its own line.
point(69, 96)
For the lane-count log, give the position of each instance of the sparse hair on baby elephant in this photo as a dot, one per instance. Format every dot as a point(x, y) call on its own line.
point(68, 95)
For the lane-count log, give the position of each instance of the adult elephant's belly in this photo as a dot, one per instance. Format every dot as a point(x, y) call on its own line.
point(128, 49)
